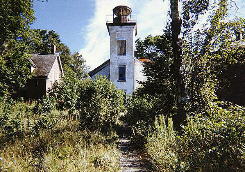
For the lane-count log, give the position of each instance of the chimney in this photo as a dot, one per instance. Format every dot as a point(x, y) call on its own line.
point(53, 49)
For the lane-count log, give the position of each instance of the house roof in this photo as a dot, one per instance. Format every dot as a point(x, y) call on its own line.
point(43, 63)
point(96, 70)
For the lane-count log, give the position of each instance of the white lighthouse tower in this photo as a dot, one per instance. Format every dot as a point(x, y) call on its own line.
point(122, 33)
point(123, 69)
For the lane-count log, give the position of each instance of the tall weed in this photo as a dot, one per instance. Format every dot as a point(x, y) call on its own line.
point(214, 142)
point(63, 148)
point(162, 145)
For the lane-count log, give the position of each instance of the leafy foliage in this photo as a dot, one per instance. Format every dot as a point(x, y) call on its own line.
point(100, 104)
point(51, 141)
point(214, 142)
point(42, 41)
point(148, 102)
point(210, 64)
point(162, 145)
point(45, 105)
point(157, 49)
point(207, 54)
point(141, 112)
point(14, 68)
point(97, 102)
point(18, 119)
point(66, 93)
point(15, 17)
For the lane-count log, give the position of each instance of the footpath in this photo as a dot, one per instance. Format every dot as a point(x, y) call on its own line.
point(133, 157)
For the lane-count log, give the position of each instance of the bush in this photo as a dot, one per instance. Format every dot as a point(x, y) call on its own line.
point(215, 142)
point(162, 146)
point(141, 113)
point(100, 104)
point(61, 148)
point(45, 105)
point(97, 103)
point(11, 114)
point(66, 93)
point(17, 119)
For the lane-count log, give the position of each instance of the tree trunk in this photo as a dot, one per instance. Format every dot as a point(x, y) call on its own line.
point(180, 117)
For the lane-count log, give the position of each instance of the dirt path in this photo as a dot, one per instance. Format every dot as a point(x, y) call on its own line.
point(132, 160)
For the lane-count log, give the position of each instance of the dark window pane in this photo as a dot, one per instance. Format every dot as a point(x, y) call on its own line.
point(122, 73)
point(121, 47)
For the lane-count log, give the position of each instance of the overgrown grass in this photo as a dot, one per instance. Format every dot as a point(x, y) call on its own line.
point(53, 142)
point(215, 142)
point(162, 145)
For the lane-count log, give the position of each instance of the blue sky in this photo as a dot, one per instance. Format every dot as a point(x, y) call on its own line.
point(68, 18)
point(81, 24)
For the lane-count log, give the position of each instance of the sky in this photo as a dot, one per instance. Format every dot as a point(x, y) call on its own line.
point(81, 24)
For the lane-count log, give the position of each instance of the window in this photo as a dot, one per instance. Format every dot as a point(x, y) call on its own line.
point(122, 73)
point(121, 47)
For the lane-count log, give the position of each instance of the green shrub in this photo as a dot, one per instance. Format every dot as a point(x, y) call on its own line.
point(11, 114)
point(45, 121)
point(45, 105)
point(100, 104)
point(66, 93)
point(61, 148)
point(18, 119)
point(162, 146)
point(141, 114)
point(215, 142)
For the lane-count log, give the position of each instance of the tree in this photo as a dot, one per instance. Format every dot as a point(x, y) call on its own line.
point(210, 51)
point(15, 18)
point(77, 66)
point(42, 41)
point(159, 52)
point(200, 55)
point(176, 23)
point(184, 69)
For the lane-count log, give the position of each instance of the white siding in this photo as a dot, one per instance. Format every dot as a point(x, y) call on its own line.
point(122, 33)
point(54, 75)
point(138, 73)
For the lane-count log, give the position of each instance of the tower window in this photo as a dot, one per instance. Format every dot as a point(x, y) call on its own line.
point(122, 73)
point(121, 47)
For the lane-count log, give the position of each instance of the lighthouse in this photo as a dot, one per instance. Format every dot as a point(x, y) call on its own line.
point(122, 32)
point(123, 69)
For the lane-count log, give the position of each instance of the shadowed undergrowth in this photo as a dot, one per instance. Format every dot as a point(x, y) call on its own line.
point(63, 148)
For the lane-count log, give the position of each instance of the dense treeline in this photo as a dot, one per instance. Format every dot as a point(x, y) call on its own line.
point(193, 119)
point(18, 41)
point(73, 127)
